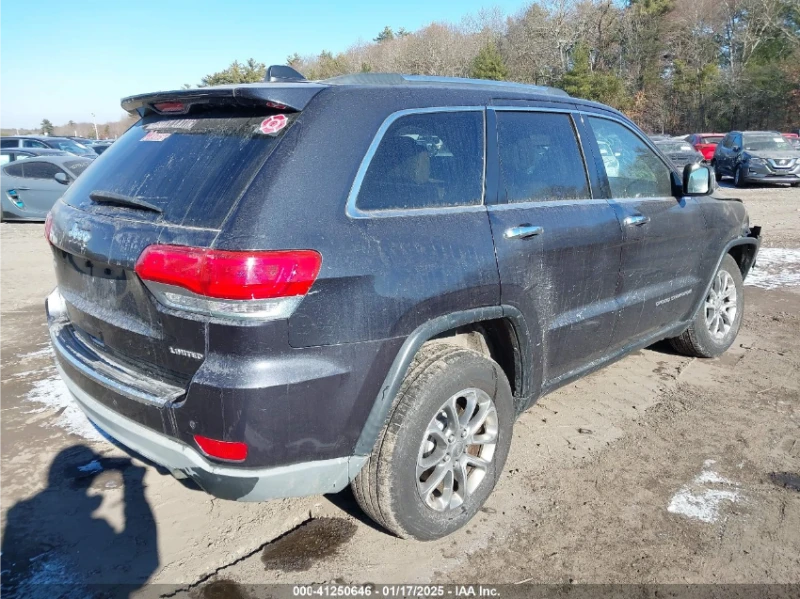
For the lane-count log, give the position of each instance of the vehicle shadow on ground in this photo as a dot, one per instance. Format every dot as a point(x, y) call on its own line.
point(53, 545)
point(346, 501)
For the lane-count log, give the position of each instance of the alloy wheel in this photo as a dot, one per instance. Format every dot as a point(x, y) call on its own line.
point(457, 449)
point(721, 305)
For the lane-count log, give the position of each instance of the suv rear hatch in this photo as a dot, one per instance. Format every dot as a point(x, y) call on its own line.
point(170, 179)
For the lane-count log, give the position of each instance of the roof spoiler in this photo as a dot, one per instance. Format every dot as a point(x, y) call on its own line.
point(291, 96)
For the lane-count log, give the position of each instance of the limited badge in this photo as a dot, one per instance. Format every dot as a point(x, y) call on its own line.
point(273, 124)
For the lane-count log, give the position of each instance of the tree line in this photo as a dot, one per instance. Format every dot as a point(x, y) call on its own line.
point(674, 66)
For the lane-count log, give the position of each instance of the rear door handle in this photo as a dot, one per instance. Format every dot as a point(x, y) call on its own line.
point(637, 220)
point(23, 188)
point(522, 232)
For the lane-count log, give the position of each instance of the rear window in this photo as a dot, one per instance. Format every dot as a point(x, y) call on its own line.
point(76, 167)
point(193, 169)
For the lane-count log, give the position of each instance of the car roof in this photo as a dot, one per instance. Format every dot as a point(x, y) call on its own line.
point(427, 91)
point(36, 137)
point(60, 159)
point(36, 151)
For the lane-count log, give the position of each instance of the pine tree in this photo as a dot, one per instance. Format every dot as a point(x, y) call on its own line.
point(386, 35)
point(578, 80)
point(249, 72)
point(46, 127)
point(488, 64)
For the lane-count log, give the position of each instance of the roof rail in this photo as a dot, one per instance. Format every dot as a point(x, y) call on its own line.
point(400, 79)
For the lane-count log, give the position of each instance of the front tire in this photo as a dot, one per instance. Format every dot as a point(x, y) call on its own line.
point(444, 446)
point(717, 322)
point(738, 177)
point(717, 174)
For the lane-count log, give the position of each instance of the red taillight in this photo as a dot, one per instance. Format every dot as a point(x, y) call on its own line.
point(170, 106)
point(231, 451)
point(48, 226)
point(231, 275)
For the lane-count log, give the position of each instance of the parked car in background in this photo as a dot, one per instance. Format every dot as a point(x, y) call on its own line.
point(10, 154)
point(102, 145)
point(30, 187)
point(609, 159)
point(660, 137)
point(757, 157)
point(64, 144)
point(679, 152)
point(793, 139)
point(482, 251)
point(706, 143)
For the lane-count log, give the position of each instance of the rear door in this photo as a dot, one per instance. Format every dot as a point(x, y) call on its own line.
point(663, 237)
point(557, 246)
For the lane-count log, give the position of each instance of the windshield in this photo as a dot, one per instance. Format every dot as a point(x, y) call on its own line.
point(758, 143)
point(70, 146)
point(193, 169)
point(681, 146)
point(711, 139)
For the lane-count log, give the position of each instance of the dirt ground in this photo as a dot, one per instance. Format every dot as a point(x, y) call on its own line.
point(658, 469)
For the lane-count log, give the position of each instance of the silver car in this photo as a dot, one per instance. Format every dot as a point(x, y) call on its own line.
point(31, 186)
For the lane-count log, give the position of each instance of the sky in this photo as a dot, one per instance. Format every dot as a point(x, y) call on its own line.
point(67, 60)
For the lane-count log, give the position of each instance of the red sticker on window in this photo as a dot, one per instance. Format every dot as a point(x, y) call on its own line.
point(273, 124)
point(155, 136)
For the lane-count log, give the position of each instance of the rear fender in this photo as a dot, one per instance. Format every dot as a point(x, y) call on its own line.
point(530, 380)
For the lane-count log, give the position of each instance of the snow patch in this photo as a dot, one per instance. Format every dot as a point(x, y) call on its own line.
point(775, 267)
point(699, 503)
point(53, 394)
point(39, 353)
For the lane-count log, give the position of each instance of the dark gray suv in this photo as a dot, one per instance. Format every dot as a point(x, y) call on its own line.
point(280, 289)
point(757, 157)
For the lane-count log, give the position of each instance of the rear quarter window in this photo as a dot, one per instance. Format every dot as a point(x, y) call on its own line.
point(9, 143)
point(14, 170)
point(426, 160)
point(192, 168)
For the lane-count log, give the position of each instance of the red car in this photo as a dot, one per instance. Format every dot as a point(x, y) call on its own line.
point(706, 143)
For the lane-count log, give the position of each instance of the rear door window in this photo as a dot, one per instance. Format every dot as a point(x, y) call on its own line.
point(32, 143)
point(40, 170)
point(426, 160)
point(15, 170)
point(539, 158)
point(639, 172)
point(192, 168)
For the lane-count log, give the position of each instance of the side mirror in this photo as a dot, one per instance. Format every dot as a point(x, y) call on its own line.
point(61, 178)
point(736, 149)
point(698, 180)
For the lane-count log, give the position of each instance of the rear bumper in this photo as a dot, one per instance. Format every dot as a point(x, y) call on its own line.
point(241, 484)
point(136, 412)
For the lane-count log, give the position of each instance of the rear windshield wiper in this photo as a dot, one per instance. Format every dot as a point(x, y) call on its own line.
point(109, 197)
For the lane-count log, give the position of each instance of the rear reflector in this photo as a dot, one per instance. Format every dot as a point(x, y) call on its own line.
point(258, 284)
point(222, 450)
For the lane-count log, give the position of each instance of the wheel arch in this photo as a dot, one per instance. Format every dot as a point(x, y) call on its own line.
point(746, 248)
point(507, 338)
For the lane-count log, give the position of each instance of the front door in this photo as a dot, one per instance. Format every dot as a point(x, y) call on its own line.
point(557, 247)
point(663, 237)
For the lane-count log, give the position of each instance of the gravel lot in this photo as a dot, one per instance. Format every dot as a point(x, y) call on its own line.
point(689, 471)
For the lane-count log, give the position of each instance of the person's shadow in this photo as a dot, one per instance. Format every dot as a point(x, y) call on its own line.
point(53, 546)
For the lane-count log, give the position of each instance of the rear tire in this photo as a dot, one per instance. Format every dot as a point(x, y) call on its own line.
point(717, 174)
point(422, 443)
point(738, 177)
point(717, 322)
